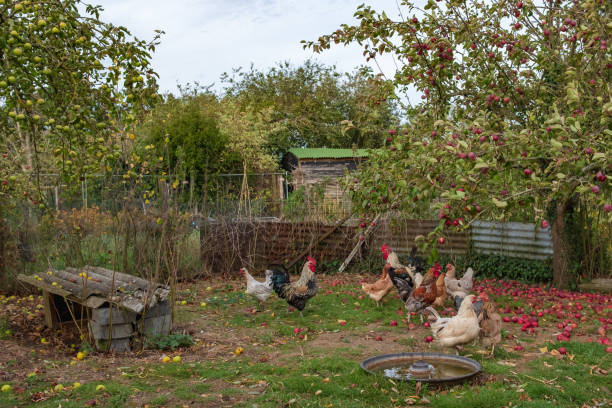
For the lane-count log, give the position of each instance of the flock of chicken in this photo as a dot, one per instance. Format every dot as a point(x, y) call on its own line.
point(419, 293)
point(295, 293)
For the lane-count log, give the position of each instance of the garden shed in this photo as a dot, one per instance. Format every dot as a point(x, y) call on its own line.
point(315, 166)
point(117, 308)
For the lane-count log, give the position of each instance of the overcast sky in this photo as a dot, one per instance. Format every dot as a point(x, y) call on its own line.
point(205, 38)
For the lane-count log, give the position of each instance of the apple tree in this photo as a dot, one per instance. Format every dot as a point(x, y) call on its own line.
point(71, 86)
point(514, 118)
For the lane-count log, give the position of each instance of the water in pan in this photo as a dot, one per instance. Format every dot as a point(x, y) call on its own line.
point(441, 370)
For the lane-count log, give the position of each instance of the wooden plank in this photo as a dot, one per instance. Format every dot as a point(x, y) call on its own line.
point(597, 285)
point(359, 244)
point(47, 308)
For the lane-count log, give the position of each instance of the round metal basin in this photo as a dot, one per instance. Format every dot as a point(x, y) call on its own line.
point(424, 367)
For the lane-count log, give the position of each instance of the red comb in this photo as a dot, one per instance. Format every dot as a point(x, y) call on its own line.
point(437, 266)
point(384, 248)
point(311, 260)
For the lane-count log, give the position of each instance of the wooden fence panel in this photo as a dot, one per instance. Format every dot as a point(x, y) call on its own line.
point(228, 247)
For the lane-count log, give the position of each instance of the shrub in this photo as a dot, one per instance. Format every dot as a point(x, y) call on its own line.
point(498, 266)
point(169, 341)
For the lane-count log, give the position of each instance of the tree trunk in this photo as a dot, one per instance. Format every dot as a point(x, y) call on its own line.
point(561, 248)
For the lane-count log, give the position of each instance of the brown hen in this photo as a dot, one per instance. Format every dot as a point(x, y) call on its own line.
point(440, 291)
point(426, 294)
point(381, 287)
point(490, 325)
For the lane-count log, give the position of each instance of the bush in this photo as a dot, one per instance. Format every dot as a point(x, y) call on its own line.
point(498, 266)
point(169, 342)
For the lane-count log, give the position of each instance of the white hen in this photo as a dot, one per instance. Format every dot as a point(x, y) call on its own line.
point(459, 329)
point(259, 290)
point(458, 287)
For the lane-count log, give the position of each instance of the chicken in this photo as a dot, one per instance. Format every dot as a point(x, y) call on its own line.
point(259, 290)
point(424, 295)
point(457, 330)
point(296, 293)
point(440, 291)
point(418, 279)
point(477, 305)
point(458, 287)
point(381, 287)
point(490, 325)
point(402, 281)
point(392, 259)
point(416, 261)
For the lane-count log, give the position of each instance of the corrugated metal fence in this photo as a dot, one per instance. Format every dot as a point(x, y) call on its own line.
point(513, 239)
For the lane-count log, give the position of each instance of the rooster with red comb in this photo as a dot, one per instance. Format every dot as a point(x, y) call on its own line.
point(299, 292)
point(392, 259)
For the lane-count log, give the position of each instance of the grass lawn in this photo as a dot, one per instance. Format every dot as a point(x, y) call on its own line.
point(275, 358)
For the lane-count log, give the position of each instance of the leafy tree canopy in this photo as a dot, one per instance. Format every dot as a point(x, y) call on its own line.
point(315, 106)
point(515, 115)
point(71, 85)
point(186, 130)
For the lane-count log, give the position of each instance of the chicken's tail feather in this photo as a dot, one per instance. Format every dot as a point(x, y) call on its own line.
point(280, 280)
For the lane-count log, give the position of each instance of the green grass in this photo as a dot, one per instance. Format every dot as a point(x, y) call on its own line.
point(321, 313)
point(299, 368)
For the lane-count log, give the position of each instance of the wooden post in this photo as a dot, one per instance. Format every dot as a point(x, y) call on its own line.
point(348, 259)
point(47, 309)
point(56, 198)
point(191, 186)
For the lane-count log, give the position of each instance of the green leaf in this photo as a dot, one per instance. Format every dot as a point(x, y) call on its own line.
point(582, 189)
point(598, 156)
point(499, 203)
point(556, 144)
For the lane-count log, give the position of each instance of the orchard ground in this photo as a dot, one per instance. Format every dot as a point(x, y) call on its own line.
point(553, 354)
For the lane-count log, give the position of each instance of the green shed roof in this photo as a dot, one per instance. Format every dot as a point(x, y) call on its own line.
point(325, 153)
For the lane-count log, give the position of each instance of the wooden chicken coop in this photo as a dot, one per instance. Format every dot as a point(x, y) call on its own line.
point(118, 309)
